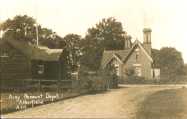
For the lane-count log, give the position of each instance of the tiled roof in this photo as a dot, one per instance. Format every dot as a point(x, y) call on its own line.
point(122, 54)
point(108, 55)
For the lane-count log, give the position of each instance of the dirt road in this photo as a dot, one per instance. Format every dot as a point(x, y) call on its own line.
point(116, 103)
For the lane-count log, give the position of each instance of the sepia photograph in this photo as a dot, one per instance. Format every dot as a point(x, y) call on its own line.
point(93, 59)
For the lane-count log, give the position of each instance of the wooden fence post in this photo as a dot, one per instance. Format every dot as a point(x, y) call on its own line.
point(39, 85)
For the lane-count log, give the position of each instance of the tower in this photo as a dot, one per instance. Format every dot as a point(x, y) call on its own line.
point(147, 39)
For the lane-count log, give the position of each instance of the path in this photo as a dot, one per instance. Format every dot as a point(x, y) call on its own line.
point(116, 103)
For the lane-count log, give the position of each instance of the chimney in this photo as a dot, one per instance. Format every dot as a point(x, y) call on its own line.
point(147, 40)
point(127, 42)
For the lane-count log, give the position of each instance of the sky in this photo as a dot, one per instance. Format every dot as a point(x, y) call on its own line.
point(166, 18)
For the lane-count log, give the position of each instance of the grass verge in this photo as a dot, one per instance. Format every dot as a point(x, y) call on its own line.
point(166, 104)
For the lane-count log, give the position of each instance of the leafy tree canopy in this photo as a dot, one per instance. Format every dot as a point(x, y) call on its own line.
point(19, 28)
point(23, 28)
point(169, 60)
point(72, 46)
point(73, 40)
point(107, 34)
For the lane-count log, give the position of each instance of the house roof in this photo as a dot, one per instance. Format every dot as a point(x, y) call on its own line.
point(123, 55)
point(35, 52)
point(138, 43)
point(108, 55)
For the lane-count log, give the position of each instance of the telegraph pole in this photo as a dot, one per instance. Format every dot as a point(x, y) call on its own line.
point(1, 31)
point(37, 43)
point(36, 25)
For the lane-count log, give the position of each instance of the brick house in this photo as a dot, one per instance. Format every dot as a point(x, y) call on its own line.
point(136, 56)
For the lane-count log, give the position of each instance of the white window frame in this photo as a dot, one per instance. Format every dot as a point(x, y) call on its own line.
point(138, 71)
point(40, 69)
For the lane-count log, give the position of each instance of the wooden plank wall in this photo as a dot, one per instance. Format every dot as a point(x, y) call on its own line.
point(15, 66)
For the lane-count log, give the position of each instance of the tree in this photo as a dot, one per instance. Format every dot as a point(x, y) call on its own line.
point(107, 34)
point(72, 46)
point(169, 60)
point(23, 28)
point(50, 39)
point(156, 56)
point(19, 28)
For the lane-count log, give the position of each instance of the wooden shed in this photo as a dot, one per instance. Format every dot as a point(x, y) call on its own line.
point(47, 64)
point(14, 64)
point(20, 60)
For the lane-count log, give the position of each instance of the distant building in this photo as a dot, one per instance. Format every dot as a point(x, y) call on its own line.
point(135, 56)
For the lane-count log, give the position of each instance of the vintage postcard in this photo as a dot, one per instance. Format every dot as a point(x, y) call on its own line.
point(100, 59)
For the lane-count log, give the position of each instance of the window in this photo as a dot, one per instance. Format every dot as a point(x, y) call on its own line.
point(137, 57)
point(116, 69)
point(40, 69)
point(4, 55)
point(138, 71)
point(137, 54)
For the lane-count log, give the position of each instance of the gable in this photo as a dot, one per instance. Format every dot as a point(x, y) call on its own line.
point(119, 55)
point(115, 61)
point(123, 55)
point(14, 64)
point(135, 45)
point(7, 50)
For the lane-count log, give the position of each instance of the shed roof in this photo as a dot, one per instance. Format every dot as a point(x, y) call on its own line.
point(35, 52)
point(46, 54)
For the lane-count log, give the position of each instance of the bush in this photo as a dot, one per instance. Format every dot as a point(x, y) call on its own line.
point(138, 80)
point(94, 81)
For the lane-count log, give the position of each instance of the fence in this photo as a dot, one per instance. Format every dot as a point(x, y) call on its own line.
point(40, 85)
point(58, 89)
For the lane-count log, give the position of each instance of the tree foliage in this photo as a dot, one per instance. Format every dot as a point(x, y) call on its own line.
point(23, 28)
point(107, 34)
point(169, 60)
point(19, 28)
point(73, 47)
point(156, 57)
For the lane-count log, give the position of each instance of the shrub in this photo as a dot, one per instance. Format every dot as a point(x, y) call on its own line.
point(94, 81)
point(138, 80)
